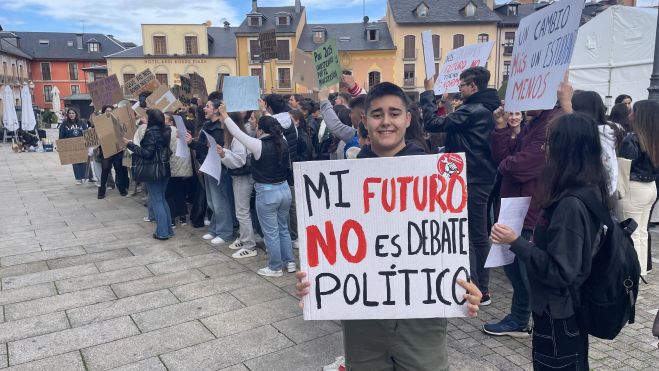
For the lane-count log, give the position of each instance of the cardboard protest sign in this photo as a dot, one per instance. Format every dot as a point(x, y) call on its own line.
point(72, 150)
point(384, 238)
point(241, 93)
point(328, 66)
point(304, 70)
point(126, 118)
point(185, 93)
point(268, 44)
point(143, 81)
point(105, 92)
point(163, 99)
point(544, 43)
point(91, 139)
point(109, 134)
point(198, 87)
point(458, 60)
point(428, 53)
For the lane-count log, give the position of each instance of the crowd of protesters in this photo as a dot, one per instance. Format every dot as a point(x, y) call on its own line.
point(542, 154)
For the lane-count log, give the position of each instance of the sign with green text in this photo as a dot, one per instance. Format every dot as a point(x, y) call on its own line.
point(328, 66)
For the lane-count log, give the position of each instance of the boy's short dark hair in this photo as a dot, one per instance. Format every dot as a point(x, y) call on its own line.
point(480, 76)
point(381, 90)
point(345, 96)
point(276, 103)
point(308, 105)
point(358, 102)
point(298, 97)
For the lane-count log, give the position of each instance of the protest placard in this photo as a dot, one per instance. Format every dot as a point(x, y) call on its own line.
point(163, 99)
point(213, 163)
point(543, 48)
point(126, 118)
point(143, 81)
point(105, 92)
point(72, 150)
point(91, 139)
point(512, 213)
point(328, 66)
point(182, 149)
point(241, 93)
point(304, 70)
point(109, 134)
point(458, 60)
point(428, 53)
point(198, 87)
point(268, 44)
point(383, 238)
point(185, 93)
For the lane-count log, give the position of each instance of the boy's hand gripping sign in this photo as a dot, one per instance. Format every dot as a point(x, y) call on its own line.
point(383, 238)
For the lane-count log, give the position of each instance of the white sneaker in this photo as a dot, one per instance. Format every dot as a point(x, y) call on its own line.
point(78, 182)
point(217, 240)
point(290, 267)
point(147, 219)
point(244, 253)
point(269, 272)
point(296, 244)
point(236, 245)
point(207, 222)
point(208, 236)
point(335, 366)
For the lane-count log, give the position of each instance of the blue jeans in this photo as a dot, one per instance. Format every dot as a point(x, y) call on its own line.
point(520, 309)
point(273, 202)
point(158, 206)
point(80, 171)
point(220, 199)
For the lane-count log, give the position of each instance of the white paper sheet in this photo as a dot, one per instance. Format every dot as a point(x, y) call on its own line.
point(513, 212)
point(213, 163)
point(182, 149)
point(428, 53)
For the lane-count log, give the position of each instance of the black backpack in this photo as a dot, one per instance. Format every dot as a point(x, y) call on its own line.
point(606, 301)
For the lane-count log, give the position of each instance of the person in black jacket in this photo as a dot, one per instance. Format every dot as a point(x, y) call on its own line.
point(116, 161)
point(468, 130)
point(73, 127)
point(564, 240)
point(218, 196)
point(156, 139)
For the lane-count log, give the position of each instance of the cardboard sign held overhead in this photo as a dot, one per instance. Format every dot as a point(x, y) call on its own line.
point(304, 70)
point(241, 93)
point(428, 53)
point(143, 81)
point(376, 248)
point(199, 89)
point(458, 60)
point(268, 44)
point(105, 92)
point(328, 66)
point(163, 99)
point(185, 92)
point(126, 118)
point(72, 150)
point(108, 130)
point(91, 139)
point(544, 43)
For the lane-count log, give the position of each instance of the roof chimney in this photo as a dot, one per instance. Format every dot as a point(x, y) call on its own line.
point(254, 6)
point(366, 19)
point(298, 6)
point(227, 25)
point(79, 41)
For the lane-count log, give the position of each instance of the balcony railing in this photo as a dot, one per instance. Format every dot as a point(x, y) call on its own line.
point(409, 82)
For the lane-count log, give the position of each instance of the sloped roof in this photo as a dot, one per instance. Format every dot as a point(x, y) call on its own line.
point(136, 52)
point(58, 47)
point(441, 11)
point(522, 11)
point(355, 31)
point(8, 45)
point(269, 21)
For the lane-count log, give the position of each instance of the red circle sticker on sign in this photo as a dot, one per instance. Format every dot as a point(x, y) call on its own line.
point(450, 164)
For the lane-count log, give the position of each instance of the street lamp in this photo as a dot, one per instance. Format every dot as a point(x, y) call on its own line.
point(654, 79)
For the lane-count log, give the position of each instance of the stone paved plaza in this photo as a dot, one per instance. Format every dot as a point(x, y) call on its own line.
point(85, 287)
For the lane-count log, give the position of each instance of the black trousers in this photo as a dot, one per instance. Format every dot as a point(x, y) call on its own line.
point(558, 344)
point(199, 206)
point(122, 182)
point(175, 195)
point(479, 239)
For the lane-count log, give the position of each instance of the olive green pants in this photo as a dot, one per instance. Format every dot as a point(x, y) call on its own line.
point(400, 345)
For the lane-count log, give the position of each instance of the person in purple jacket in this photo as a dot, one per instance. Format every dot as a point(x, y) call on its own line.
point(521, 161)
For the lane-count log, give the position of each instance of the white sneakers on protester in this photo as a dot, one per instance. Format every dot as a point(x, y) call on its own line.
point(244, 253)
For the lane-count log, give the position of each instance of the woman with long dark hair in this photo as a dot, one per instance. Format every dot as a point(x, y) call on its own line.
point(304, 135)
point(641, 147)
point(620, 114)
point(156, 143)
point(270, 167)
point(73, 127)
point(560, 257)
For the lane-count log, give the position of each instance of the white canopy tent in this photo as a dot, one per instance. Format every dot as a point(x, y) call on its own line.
point(614, 52)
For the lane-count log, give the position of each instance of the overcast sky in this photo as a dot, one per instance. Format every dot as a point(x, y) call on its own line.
point(122, 18)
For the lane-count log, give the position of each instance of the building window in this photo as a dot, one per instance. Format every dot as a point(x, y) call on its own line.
point(373, 35)
point(422, 11)
point(162, 78)
point(408, 75)
point(220, 80)
point(436, 69)
point(283, 51)
point(282, 20)
point(436, 46)
point(75, 89)
point(506, 70)
point(4, 70)
point(410, 50)
point(13, 70)
point(512, 9)
point(458, 41)
point(509, 42)
point(373, 78)
point(159, 45)
point(191, 45)
point(20, 71)
point(45, 71)
point(93, 47)
point(319, 36)
point(254, 21)
point(470, 10)
point(254, 51)
point(258, 72)
point(73, 71)
point(48, 93)
point(284, 78)
point(483, 38)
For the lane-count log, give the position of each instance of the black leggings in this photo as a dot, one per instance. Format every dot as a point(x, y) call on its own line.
point(121, 172)
point(177, 190)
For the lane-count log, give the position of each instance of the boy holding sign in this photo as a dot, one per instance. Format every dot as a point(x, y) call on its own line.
point(384, 344)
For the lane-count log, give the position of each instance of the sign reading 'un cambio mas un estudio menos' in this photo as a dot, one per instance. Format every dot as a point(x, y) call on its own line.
point(384, 238)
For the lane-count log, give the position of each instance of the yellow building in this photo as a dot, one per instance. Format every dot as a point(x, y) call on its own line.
point(453, 23)
point(173, 49)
